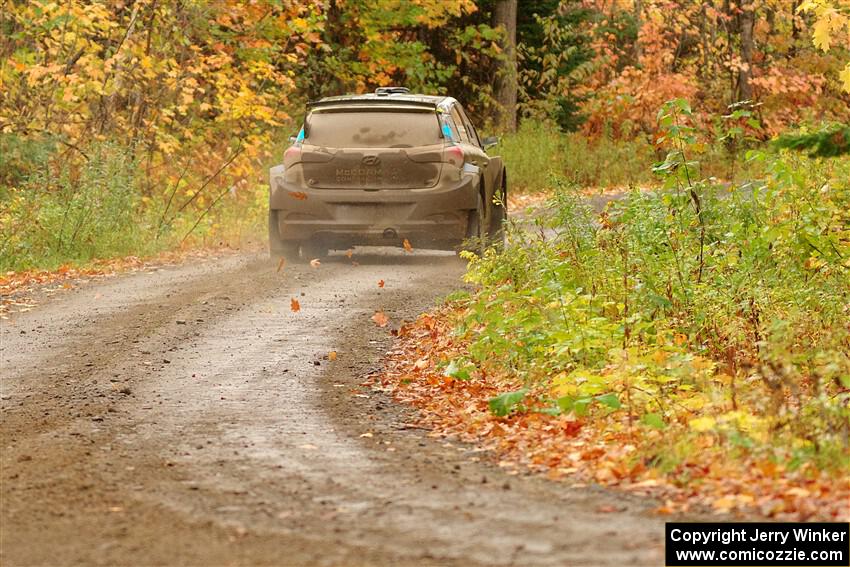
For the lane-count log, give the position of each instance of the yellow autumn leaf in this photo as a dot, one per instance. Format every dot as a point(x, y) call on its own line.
point(821, 35)
point(702, 424)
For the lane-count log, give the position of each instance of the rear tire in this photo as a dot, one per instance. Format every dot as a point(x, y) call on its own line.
point(486, 227)
point(277, 246)
point(498, 216)
point(475, 236)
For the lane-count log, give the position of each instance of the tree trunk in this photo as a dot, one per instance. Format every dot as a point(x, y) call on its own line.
point(504, 16)
point(638, 15)
point(795, 29)
point(747, 18)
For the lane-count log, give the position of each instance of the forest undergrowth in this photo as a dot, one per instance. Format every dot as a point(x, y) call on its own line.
point(692, 340)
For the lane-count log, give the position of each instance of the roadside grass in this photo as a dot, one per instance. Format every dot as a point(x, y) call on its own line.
point(696, 337)
point(538, 152)
point(57, 212)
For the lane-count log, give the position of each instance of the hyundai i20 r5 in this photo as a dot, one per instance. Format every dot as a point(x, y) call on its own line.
point(381, 168)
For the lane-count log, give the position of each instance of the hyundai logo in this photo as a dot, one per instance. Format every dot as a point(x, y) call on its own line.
point(371, 160)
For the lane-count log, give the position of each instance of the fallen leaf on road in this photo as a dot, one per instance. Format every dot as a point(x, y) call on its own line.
point(380, 318)
point(407, 246)
point(315, 263)
point(281, 264)
point(294, 304)
point(380, 283)
point(332, 355)
point(366, 435)
point(349, 252)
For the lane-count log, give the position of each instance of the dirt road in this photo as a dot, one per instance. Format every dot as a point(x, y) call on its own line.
point(188, 416)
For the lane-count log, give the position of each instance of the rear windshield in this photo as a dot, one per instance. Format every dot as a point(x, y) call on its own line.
point(373, 129)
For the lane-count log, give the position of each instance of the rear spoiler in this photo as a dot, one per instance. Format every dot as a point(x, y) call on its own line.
point(373, 102)
point(383, 101)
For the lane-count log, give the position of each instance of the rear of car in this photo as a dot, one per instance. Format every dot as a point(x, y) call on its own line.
point(372, 170)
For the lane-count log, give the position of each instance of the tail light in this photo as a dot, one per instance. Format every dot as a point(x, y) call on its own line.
point(292, 155)
point(453, 155)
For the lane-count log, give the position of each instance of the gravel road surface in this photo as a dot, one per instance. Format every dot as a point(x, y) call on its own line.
point(187, 416)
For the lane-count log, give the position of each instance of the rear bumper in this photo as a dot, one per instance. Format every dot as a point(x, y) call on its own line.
point(345, 217)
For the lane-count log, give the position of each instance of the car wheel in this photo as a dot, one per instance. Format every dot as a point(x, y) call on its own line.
point(498, 216)
point(277, 246)
point(478, 228)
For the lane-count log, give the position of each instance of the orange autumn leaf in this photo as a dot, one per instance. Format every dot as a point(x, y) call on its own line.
point(380, 318)
point(407, 246)
point(380, 283)
point(332, 355)
point(300, 195)
point(349, 253)
point(294, 305)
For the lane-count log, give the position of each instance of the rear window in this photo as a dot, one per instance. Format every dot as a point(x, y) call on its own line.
point(373, 129)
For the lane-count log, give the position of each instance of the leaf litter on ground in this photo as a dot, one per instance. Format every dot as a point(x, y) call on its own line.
point(604, 448)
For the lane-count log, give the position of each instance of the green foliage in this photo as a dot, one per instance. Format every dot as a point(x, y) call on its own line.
point(68, 214)
point(828, 142)
point(74, 215)
point(553, 54)
point(20, 156)
point(459, 370)
point(700, 308)
point(538, 151)
point(504, 404)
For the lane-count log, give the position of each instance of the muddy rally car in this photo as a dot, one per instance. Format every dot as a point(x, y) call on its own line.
point(381, 168)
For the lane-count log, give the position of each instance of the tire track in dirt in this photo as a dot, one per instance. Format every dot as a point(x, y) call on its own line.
point(188, 416)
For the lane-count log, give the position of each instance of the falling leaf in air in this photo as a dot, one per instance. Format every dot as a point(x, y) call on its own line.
point(332, 355)
point(407, 246)
point(380, 283)
point(315, 263)
point(294, 305)
point(380, 318)
point(300, 195)
point(349, 252)
point(281, 264)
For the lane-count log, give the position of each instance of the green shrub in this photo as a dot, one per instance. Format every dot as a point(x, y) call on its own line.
point(537, 151)
point(102, 206)
point(700, 307)
point(76, 214)
point(531, 155)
